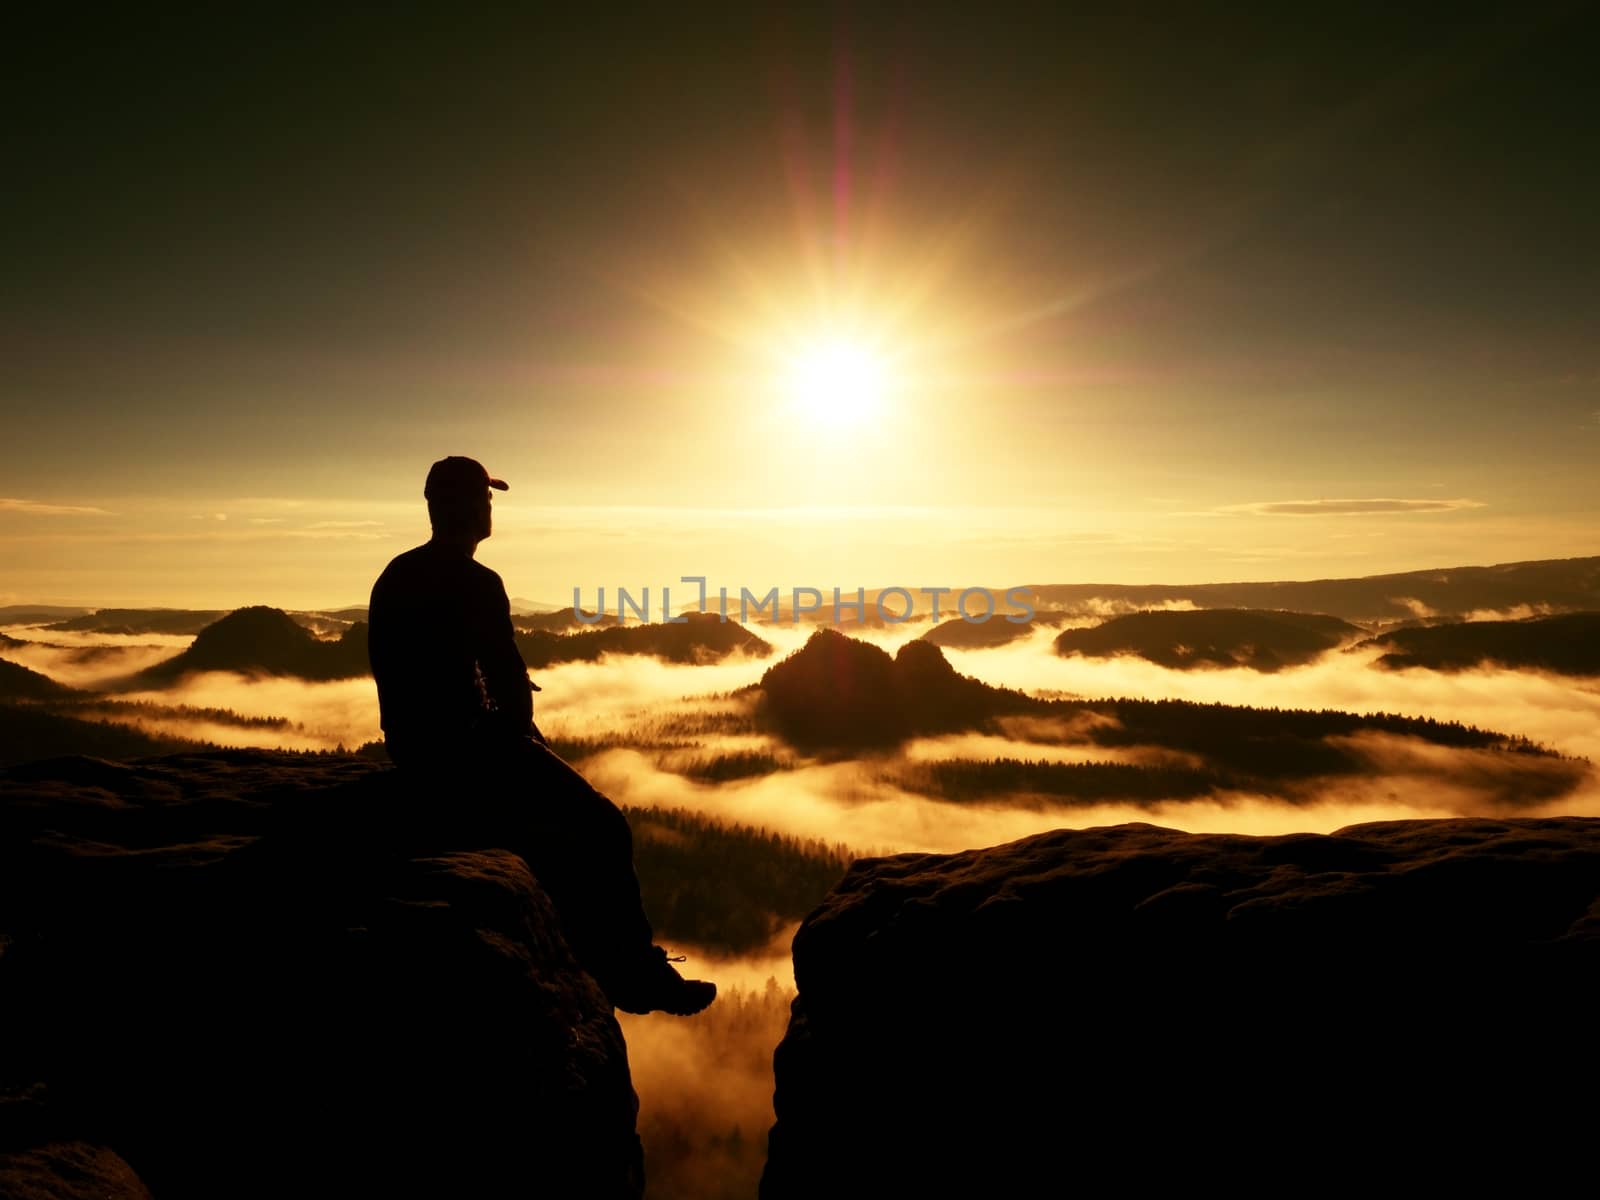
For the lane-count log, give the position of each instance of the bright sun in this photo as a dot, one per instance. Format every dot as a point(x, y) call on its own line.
point(837, 382)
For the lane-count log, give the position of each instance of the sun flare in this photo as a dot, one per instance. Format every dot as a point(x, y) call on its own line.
point(837, 382)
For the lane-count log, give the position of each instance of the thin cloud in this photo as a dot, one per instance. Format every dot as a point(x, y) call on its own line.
point(343, 524)
point(206, 530)
point(313, 533)
point(41, 509)
point(1373, 506)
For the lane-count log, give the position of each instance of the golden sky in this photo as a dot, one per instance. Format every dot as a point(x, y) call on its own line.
point(875, 297)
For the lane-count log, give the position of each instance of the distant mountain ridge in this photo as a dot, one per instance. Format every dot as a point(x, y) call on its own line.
point(191, 620)
point(139, 620)
point(37, 614)
point(1561, 583)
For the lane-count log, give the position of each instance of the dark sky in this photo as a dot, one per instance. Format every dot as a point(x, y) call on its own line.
point(1321, 251)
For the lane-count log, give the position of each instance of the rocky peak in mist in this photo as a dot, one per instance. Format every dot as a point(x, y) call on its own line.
point(1226, 637)
point(836, 691)
point(264, 641)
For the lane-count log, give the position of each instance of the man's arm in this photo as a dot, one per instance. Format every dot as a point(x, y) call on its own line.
point(505, 675)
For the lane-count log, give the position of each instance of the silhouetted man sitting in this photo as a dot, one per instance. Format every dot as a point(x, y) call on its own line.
point(457, 707)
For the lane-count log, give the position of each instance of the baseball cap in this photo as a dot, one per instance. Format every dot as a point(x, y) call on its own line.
point(458, 476)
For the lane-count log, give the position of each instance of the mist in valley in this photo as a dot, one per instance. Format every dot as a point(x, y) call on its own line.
point(674, 738)
point(88, 658)
point(649, 732)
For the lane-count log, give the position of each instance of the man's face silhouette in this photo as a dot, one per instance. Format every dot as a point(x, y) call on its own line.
point(463, 518)
point(486, 514)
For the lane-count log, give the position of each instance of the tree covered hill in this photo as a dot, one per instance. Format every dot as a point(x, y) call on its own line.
point(700, 638)
point(1226, 637)
point(562, 620)
point(961, 634)
point(29, 732)
point(1568, 644)
point(727, 887)
point(18, 682)
point(263, 641)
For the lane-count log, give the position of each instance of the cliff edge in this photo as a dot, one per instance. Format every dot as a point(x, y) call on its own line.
point(1134, 1007)
point(254, 973)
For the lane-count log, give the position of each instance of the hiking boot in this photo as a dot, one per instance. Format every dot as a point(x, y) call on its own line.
point(654, 985)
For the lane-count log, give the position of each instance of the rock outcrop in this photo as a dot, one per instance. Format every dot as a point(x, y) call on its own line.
point(262, 974)
point(838, 692)
point(1133, 1008)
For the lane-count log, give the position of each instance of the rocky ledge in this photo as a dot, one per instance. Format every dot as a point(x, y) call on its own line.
point(254, 974)
point(1133, 1008)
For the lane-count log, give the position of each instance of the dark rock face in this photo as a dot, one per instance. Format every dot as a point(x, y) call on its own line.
point(1398, 1001)
point(68, 1171)
point(251, 973)
point(43, 1158)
